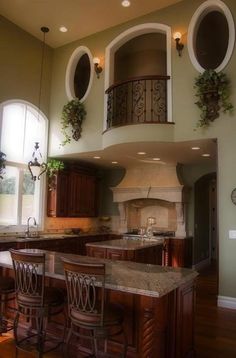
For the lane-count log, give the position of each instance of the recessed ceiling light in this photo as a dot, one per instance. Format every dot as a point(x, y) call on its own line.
point(156, 159)
point(63, 29)
point(125, 3)
point(114, 162)
point(96, 157)
point(195, 148)
point(206, 155)
point(141, 153)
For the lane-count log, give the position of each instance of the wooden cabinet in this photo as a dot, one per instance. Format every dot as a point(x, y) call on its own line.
point(178, 252)
point(58, 195)
point(72, 193)
point(149, 255)
point(82, 195)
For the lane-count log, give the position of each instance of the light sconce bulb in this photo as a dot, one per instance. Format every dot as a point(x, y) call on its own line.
point(96, 60)
point(97, 68)
point(179, 45)
point(177, 35)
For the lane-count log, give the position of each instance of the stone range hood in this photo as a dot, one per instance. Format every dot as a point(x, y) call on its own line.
point(152, 190)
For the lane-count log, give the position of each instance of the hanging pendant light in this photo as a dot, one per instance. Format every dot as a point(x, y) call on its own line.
point(36, 167)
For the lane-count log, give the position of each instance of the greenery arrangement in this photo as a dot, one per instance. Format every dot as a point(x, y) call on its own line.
point(213, 95)
point(2, 163)
point(73, 114)
point(53, 166)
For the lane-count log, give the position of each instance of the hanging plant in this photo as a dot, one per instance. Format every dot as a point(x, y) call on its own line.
point(213, 95)
point(53, 167)
point(2, 164)
point(73, 114)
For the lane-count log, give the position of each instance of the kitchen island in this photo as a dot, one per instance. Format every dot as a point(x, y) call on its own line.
point(148, 251)
point(158, 302)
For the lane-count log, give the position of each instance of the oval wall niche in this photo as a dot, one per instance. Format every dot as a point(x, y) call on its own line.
point(79, 74)
point(211, 36)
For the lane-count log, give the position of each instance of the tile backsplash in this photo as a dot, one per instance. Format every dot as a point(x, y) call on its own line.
point(59, 224)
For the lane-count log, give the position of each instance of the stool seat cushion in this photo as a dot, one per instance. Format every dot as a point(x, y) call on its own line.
point(113, 315)
point(6, 284)
point(52, 297)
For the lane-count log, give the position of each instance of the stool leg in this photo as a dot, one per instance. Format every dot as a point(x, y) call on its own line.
point(3, 327)
point(15, 326)
point(67, 341)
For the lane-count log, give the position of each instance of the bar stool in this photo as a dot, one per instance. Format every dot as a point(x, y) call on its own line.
point(36, 303)
point(90, 317)
point(7, 290)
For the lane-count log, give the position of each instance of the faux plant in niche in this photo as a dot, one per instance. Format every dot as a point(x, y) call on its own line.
point(53, 167)
point(2, 164)
point(213, 95)
point(73, 114)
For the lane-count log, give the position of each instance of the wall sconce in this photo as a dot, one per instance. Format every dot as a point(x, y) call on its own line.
point(179, 45)
point(35, 167)
point(97, 68)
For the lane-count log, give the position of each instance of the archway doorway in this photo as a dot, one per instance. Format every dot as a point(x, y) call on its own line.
point(205, 221)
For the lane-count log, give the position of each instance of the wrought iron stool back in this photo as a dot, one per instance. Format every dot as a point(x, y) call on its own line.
point(34, 300)
point(86, 305)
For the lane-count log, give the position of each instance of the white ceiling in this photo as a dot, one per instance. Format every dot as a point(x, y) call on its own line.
point(81, 17)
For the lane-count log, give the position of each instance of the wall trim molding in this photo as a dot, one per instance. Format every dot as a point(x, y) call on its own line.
point(226, 302)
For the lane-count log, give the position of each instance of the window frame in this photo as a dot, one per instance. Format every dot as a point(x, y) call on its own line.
point(42, 185)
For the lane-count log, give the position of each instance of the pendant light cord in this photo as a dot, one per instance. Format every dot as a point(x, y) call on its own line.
point(44, 30)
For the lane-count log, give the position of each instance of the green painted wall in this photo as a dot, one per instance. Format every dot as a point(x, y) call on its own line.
point(20, 64)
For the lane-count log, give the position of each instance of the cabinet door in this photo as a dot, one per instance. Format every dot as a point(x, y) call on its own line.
point(75, 195)
point(90, 197)
point(58, 195)
point(99, 252)
point(114, 254)
point(82, 195)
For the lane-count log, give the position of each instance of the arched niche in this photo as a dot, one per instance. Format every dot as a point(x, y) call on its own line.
point(79, 74)
point(211, 36)
point(125, 37)
point(142, 55)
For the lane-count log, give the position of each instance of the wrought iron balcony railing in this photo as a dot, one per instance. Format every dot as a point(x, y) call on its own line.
point(137, 100)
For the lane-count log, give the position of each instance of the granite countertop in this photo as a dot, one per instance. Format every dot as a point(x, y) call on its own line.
point(126, 244)
point(125, 276)
point(44, 236)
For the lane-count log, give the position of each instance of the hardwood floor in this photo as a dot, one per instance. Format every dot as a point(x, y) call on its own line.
point(215, 328)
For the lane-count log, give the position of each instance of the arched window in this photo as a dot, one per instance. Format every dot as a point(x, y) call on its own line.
point(21, 125)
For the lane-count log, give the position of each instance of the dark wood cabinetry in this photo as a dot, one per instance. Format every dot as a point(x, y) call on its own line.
point(73, 193)
point(178, 252)
point(82, 195)
point(150, 255)
point(71, 245)
point(58, 195)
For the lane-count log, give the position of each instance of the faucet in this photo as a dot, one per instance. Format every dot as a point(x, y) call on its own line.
point(27, 232)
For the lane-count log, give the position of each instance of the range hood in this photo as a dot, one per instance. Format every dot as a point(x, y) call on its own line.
point(150, 188)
